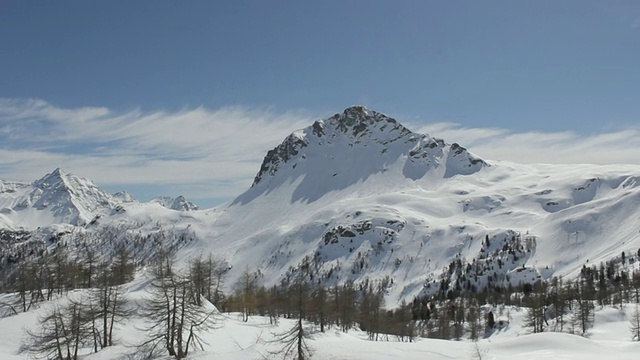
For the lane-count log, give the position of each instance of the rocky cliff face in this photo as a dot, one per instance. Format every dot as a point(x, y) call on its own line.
point(58, 197)
point(63, 198)
point(355, 144)
point(178, 203)
point(359, 197)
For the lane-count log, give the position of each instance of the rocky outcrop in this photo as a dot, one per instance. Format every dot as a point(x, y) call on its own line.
point(358, 126)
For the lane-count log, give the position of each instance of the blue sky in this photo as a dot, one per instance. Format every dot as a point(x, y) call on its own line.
point(149, 76)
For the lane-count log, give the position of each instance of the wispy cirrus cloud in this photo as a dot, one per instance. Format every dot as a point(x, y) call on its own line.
point(207, 153)
point(616, 147)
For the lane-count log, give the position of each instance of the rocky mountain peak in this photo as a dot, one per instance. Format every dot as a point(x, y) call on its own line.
point(178, 203)
point(359, 121)
point(52, 179)
point(356, 114)
point(123, 196)
point(70, 198)
point(355, 125)
point(369, 137)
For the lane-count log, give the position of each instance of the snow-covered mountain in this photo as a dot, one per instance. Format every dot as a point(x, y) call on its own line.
point(359, 196)
point(178, 203)
point(349, 148)
point(58, 197)
point(63, 198)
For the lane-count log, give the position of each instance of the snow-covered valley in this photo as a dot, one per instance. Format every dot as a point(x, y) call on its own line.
point(364, 197)
point(235, 339)
point(358, 197)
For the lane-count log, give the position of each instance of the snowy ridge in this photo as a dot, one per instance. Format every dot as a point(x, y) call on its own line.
point(363, 197)
point(235, 339)
point(58, 197)
point(359, 196)
point(63, 198)
point(412, 233)
point(350, 147)
point(178, 203)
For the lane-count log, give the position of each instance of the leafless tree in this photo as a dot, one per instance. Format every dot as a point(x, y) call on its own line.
point(28, 285)
point(62, 331)
point(246, 291)
point(634, 324)
point(474, 320)
point(123, 267)
point(478, 353)
point(208, 277)
point(319, 302)
point(294, 342)
point(535, 316)
point(583, 316)
point(109, 305)
point(175, 318)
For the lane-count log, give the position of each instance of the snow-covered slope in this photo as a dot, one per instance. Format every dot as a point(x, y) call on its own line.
point(359, 196)
point(350, 148)
point(178, 203)
point(63, 198)
point(257, 339)
point(58, 197)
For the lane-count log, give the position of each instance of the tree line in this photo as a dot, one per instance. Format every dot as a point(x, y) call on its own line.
point(84, 318)
point(346, 306)
point(179, 307)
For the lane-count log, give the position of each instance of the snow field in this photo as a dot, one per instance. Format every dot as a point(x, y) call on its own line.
point(235, 340)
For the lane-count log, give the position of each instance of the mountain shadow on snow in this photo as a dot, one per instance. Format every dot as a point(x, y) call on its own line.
point(354, 147)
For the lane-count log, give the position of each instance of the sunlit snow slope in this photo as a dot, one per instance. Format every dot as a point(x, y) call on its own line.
point(58, 197)
point(360, 196)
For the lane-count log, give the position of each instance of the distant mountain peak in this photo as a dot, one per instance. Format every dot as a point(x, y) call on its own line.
point(60, 197)
point(53, 178)
point(355, 144)
point(356, 113)
point(58, 172)
point(124, 196)
point(178, 203)
point(70, 198)
point(359, 121)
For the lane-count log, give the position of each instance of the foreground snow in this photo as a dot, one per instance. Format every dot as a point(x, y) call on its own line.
point(365, 203)
point(234, 339)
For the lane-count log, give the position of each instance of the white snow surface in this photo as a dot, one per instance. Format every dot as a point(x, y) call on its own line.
point(63, 198)
point(363, 197)
point(58, 197)
point(234, 339)
point(412, 227)
point(178, 203)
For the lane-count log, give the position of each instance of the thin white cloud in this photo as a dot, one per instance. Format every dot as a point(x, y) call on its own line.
point(214, 154)
point(618, 147)
point(187, 149)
